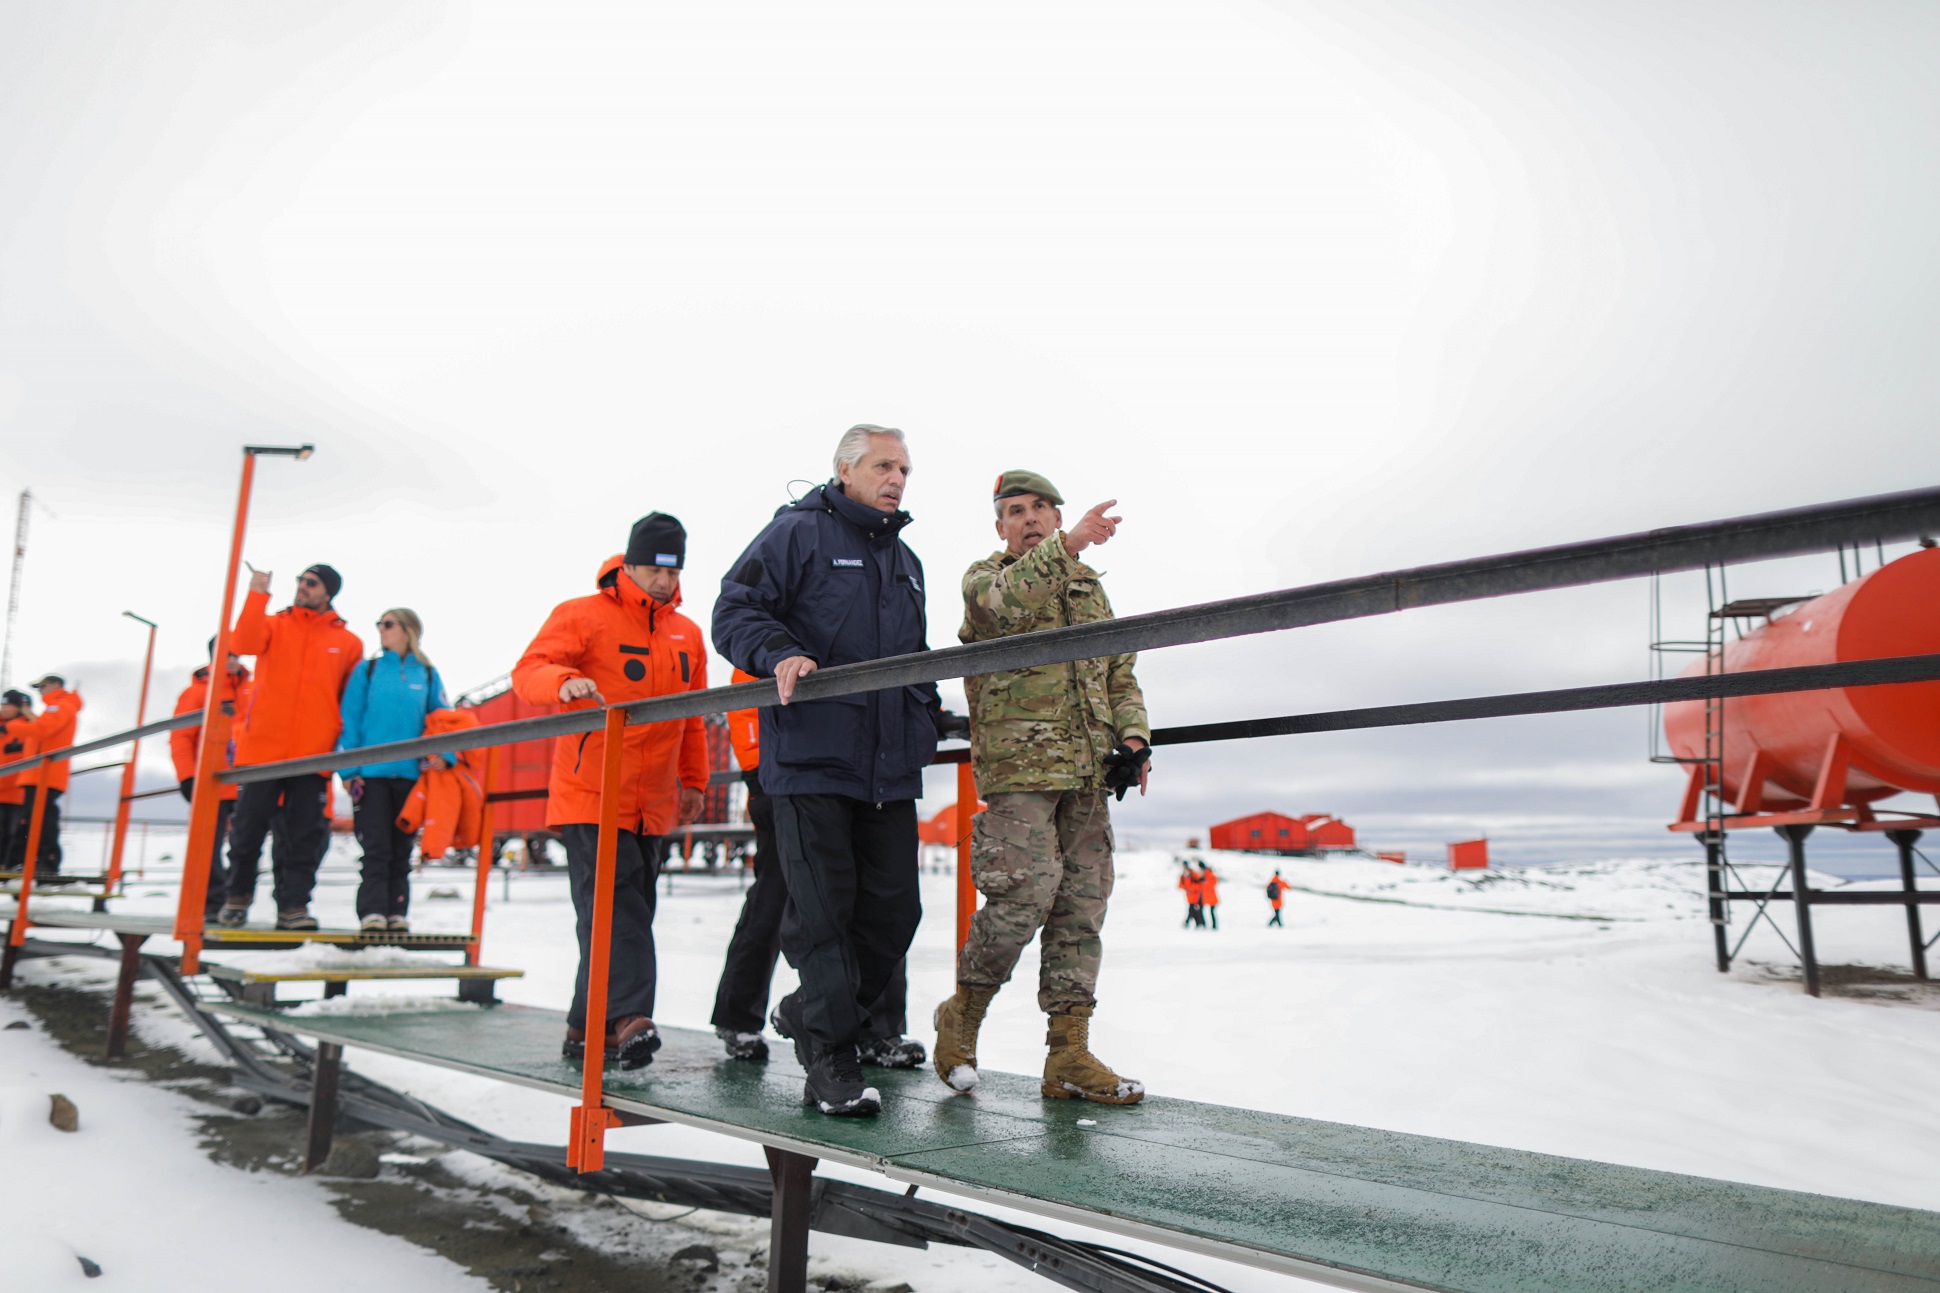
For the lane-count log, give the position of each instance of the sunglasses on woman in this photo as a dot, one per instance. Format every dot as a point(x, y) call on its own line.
point(387, 624)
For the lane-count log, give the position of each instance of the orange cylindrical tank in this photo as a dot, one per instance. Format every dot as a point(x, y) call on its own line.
point(1891, 733)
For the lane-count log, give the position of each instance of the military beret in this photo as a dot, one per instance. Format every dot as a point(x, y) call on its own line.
point(1013, 483)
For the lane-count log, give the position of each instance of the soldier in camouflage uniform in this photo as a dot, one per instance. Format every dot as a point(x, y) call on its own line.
point(1049, 745)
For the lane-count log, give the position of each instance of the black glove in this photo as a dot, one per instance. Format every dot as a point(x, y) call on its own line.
point(950, 727)
point(1122, 767)
point(188, 789)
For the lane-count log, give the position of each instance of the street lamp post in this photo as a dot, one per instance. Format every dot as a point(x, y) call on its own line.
point(208, 756)
point(134, 753)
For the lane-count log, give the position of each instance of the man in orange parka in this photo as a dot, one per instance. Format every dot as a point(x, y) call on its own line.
point(60, 713)
point(185, 742)
point(17, 742)
point(624, 642)
point(304, 655)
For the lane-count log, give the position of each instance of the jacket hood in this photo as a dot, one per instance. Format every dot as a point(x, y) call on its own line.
point(609, 583)
point(830, 498)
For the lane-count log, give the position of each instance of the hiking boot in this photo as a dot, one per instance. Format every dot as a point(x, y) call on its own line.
point(787, 1020)
point(892, 1052)
point(743, 1046)
point(373, 925)
point(296, 918)
point(399, 925)
point(233, 915)
point(835, 1086)
point(635, 1039)
point(957, 1021)
point(1072, 1072)
point(575, 1044)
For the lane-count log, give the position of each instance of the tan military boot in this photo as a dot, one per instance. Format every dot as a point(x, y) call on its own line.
point(1072, 1072)
point(957, 1021)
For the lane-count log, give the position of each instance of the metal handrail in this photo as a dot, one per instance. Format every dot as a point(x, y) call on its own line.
point(1793, 532)
point(1763, 536)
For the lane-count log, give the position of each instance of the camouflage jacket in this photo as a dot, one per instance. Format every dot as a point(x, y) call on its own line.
point(1047, 728)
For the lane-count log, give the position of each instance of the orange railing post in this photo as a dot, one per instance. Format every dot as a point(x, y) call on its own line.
point(966, 887)
point(209, 755)
point(485, 852)
point(128, 769)
point(18, 934)
point(586, 1146)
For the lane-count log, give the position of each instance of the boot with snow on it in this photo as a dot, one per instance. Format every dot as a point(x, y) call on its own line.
point(957, 1021)
point(1072, 1072)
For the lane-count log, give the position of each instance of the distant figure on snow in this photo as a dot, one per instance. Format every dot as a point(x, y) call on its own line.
point(1189, 886)
point(1209, 895)
point(1276, 890)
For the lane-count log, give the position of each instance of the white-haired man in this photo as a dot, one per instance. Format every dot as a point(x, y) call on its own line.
point(830, 582)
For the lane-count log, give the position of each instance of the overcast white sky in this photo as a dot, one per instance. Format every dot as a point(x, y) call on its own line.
point(1313, 288)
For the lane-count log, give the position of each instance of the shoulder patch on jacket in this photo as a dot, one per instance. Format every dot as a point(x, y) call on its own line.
point(749, 573)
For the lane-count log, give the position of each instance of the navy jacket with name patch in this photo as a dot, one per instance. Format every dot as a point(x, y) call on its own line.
point(832, 579)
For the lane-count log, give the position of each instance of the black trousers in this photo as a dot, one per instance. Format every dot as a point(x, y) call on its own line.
point(50, 834)
point(631, 971)
point(218, 873)
point(853, 904)
point(1275, 920)
point(741, 1000)
point(299, 802)
point(386, 886)
point(9, 815)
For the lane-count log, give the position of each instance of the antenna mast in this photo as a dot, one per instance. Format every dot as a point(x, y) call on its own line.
point(13, 591)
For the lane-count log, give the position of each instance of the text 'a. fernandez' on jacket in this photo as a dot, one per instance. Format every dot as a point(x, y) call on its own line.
point(631, 648)
point(832, 579)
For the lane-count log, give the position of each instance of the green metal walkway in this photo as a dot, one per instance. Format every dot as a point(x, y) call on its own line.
point(1350, 1206)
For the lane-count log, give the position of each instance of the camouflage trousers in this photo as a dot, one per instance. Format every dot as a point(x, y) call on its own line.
point(1042, 861)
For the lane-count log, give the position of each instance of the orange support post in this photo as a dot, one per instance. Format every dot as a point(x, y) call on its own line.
point(485, 851)
point(128, 769)
point(586, 1142)
point(18, 934)
point(209, 755)
point(966, 888)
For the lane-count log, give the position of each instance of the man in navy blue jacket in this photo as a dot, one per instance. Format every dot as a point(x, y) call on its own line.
point(831, 582)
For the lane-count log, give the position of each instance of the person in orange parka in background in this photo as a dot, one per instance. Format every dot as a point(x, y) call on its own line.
point(1276, 894)
point(60, 713)
point(17, 742)
point(624, 642)
point(447, 804)
point(1209, 894)
point(304, 655)
point(185, 742)
point(1195, 901)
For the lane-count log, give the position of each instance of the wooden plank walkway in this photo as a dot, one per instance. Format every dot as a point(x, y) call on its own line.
point(1351, 1206)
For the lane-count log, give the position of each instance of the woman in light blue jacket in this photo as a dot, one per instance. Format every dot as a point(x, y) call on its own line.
point(386, 700)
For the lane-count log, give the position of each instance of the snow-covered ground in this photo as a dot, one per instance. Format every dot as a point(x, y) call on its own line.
point(1571, 1009)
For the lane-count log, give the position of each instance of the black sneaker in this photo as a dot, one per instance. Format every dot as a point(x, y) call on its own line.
point(743, 1046)
point(835, 1086)
point(787, 1019)
point(892, 1052)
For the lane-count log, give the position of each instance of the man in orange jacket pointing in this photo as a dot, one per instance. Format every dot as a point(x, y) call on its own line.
point(624, 642)
point(304, 655)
